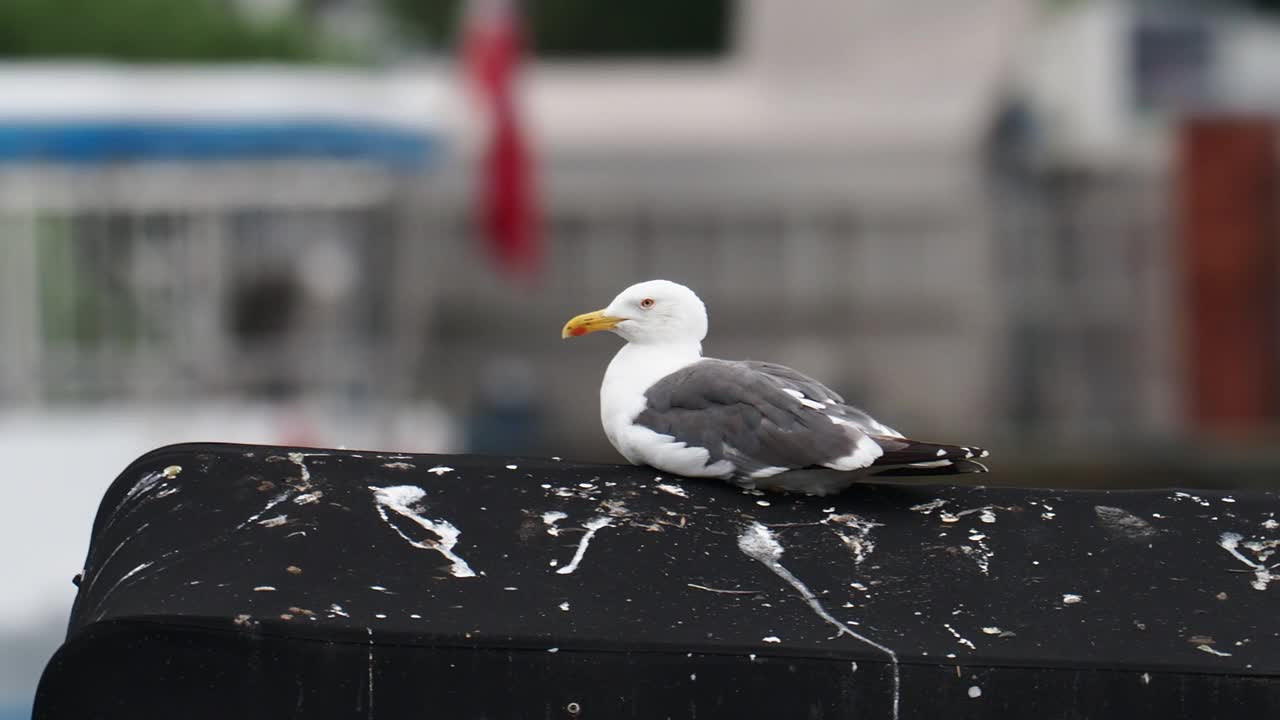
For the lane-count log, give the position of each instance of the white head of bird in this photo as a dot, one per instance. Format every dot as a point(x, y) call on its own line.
point(653, 312)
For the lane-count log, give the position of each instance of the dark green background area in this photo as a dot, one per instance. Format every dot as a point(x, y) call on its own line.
point(592, 28)
point(149, 30)
point(212, 30)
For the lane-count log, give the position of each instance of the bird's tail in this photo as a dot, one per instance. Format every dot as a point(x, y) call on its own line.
point(903, 456)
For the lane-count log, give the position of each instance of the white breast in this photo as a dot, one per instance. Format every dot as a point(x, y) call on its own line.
point(632, 371)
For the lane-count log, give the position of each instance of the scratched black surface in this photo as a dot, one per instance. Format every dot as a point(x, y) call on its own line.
point(994, 602)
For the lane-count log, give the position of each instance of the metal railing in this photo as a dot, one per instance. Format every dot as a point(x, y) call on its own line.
point(1044, 309)
point(202, 282)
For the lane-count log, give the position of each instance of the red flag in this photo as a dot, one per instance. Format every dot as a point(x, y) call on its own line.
point(507, 205)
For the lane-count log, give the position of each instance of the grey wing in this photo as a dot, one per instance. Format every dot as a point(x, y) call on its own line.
point(752, 415)
point(813, 390)
point(788, 378)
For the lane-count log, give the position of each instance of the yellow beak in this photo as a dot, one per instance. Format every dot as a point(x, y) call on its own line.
point(589, 323)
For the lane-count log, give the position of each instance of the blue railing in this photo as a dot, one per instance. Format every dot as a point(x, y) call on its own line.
point(123, 141)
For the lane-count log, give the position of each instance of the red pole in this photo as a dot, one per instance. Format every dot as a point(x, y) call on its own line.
point(1227, 206)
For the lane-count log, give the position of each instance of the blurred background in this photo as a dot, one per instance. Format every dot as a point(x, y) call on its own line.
point(1044, 226)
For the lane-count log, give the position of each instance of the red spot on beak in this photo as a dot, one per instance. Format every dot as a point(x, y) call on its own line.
point(578, 331)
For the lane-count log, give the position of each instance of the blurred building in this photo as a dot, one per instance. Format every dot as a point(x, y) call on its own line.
point(957, 215)
point(191, 237)
point(1088, 172)
point(821, 187)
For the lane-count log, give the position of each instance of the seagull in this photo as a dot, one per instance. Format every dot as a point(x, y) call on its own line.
point(758, 425)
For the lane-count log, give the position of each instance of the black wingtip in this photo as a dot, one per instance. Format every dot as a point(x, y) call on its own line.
point(905, 451)
point(906, 457)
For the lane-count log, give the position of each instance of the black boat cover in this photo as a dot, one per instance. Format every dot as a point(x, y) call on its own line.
point(230, 581)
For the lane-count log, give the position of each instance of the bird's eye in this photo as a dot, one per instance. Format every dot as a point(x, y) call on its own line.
point(646, 303)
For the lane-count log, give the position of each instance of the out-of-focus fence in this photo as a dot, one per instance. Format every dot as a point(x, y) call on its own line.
point(947, 296)
point(1088, 271)
point(1043, 307)
point(172, 283)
